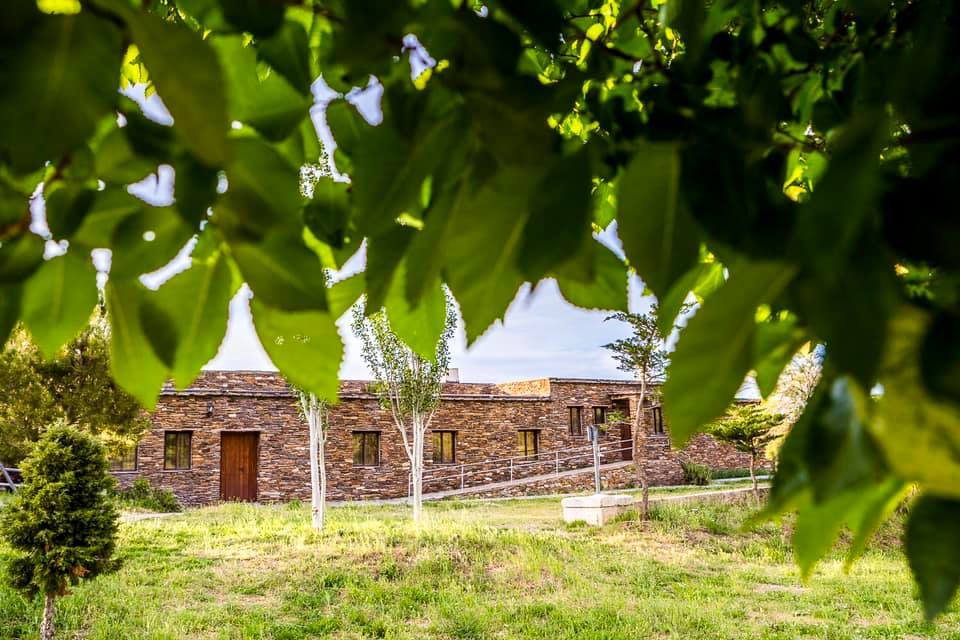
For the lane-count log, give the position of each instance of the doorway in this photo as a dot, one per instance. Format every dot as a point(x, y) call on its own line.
point(238, 466)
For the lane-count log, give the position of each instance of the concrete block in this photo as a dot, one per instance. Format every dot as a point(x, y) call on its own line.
point(596, 510)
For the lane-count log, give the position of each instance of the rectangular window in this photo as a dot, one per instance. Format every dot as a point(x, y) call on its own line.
point(366, 448)
point(125, 461)
point(576, 421)
point(528, 442)
point(599, 415)
point(657, 419)
point(177, 446)
point(444, 447)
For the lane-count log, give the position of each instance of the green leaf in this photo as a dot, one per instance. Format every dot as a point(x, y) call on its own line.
point(659, 236)
point(419, 327)
point(485, 281)
point(817, 528)
point(160, 328)
point(875, 506)
point(560, 215)
point(20, 257)
point(263, 191)
point(607, 291)
point(188, 77)
point(715, 350)
point(117, 162)
point(384, 254)
point(327, 215)
point(60, 78)
point(198, 301)
point(288, 51)
point(66, 208)
point(930, 541)
point(775, 344)
point(195, 188)
point(259, 17)
point(305, 346)
point(702, 280)
point(110, 207)
point(282, 272)
point(9, 310)
point(269, 105)
point(58, 300)
point(146, 241)
point(342, 295)
point(133, 363)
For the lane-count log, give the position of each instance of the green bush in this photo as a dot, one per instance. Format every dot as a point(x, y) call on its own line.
point(731, 473)
point(141, 495)
point(693, 473)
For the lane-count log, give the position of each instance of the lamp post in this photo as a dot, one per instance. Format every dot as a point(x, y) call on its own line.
point(593, 434)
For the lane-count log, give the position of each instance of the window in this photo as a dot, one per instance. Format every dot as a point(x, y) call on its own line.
point(657, 419)
point(177, 447)
point(366, 448)
point(125, 461)
point(528, 442)
point(576, 421)
point(444, 447)
point(599, 415)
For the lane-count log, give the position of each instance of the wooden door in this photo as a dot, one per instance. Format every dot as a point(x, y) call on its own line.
point(238, 466)
point(626, 441)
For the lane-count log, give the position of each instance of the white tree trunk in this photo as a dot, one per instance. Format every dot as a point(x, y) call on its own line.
point(753, 477)
point(416, 467)
point(322, 463)
point(639, 454)
point(318, 473)
point(46, 625)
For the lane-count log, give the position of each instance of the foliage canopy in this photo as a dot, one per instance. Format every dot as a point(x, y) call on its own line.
point(768, 156)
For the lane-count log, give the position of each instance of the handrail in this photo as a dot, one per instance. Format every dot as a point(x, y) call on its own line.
point(586, 446)
point(6, 475)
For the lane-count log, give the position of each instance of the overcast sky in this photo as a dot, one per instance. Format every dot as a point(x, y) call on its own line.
point(542, 335)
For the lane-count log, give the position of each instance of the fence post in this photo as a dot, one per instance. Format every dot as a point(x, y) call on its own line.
point(558, 462)
point(511, 469)
point(461, 476)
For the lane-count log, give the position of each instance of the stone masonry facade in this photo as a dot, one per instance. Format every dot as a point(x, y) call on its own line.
point(485, 420)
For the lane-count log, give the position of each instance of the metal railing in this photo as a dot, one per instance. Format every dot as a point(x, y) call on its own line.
point(472, 474)
point(6, 478)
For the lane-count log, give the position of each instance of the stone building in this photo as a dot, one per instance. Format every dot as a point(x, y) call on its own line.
point(238, 435)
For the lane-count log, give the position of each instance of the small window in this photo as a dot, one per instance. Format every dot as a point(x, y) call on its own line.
point(657, 419)
point(528, 442)
point(599, 415)
point(444, 447)
point(576, 421)
point(125, 461)
point(177, 446)
point(366, 448)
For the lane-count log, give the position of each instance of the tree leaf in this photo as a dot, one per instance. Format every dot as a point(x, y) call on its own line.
point(930, 541)
point(701, 280)
point(775, 344)
point(305, 346)
point(60, 78)
point(282, 272)
point(659, 236)
point(146, 241)
point(715, 350)
point(134, 365)
point(188, 77)
point(342, 295)
point(66, 208)
point(117, 162)
point(288, 51)
point(560, 214)
point(58, 300)
point(419, 327)
point(269, 105)
point(20, 257)
point(110, 207)
point(875, 506)
point(818, 526)
point(260, 18)
point(9, 310)
point(200, 325)
point(607, 291)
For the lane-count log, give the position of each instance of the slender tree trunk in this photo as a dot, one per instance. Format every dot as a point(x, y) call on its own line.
point(416, 469)
point(316, 499)
point(322, 463)
point(639, 454)
point(46, 626)
point(753, 476)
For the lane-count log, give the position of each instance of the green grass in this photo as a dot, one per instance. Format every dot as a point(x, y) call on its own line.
point(507, 569)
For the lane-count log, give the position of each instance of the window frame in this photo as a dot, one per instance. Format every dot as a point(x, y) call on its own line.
point(117, 463)
point(657, 420)
point(579, 425)
point(522, 436)
point(364, 436)
point(178, 435)
point(603, 414)
point(439, 450)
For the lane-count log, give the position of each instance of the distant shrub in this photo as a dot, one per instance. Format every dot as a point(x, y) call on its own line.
point(141, 495)
point(693, 473)
point(730, 473)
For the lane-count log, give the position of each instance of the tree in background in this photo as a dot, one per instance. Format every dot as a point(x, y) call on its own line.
point(407, 382)
point(793, 391)
point(644, 355)
point(314, 411)
point(61, 525)
point(75, 385)
point(748, 428)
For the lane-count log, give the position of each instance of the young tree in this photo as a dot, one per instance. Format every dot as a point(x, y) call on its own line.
point(75, 386)
point(61, 525)
point(794, 389)
point(406, 383)
point(314, 411)
point(643, 354)
point(748, 428)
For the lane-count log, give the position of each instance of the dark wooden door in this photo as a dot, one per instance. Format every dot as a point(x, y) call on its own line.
point(626, 441)
point(238, 466)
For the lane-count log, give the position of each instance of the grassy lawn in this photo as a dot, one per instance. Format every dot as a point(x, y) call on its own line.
point(506, 569)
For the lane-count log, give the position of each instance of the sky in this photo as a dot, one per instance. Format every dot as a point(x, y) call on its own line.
point(541, 334)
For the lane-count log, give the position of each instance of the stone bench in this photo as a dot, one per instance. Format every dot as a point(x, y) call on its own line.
point(596, 510)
